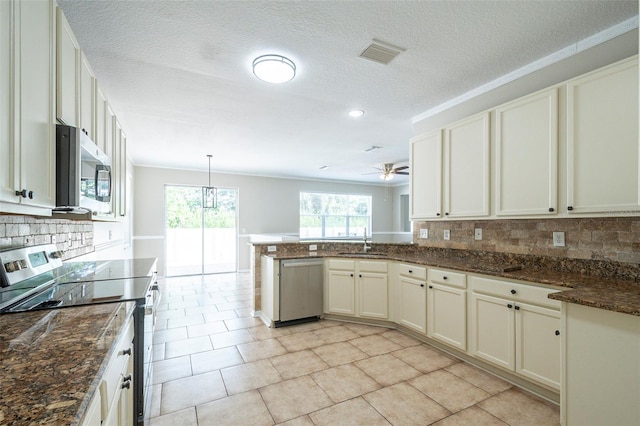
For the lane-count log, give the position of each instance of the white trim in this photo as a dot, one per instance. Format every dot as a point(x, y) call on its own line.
point(148, 237)
point(582, 45)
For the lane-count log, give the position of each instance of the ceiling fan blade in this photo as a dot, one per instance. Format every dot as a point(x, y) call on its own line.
point(401, 173)
point(400, 168)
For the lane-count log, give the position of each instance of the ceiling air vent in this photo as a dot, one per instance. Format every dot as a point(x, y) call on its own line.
point(381, 52)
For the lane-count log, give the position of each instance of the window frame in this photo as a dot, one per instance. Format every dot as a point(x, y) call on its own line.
point(347, 217)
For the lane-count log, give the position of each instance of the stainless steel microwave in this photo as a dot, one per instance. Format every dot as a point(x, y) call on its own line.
point(83, 173)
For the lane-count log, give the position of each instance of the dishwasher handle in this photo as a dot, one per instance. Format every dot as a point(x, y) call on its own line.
point(298, 262)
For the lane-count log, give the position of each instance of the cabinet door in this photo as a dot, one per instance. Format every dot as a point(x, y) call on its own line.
point(466, 168)
point(492, 333)
point(374, 295)
point(426, 176)
point(7, 118)
point(37, 102)
point(447, 315)
point(527, 155)
point(125, 404)
point(342, 292)
point(538, 344)
point(122, 175)
point(101, 120)
point(87, 97)
point(67, 73)
point(602, 141)
point(412, 309)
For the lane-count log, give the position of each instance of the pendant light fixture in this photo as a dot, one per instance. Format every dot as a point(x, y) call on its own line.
point(209, 193)
point(274, 68)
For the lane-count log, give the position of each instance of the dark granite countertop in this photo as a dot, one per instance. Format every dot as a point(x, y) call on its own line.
point(619, 294)
point(52, 361)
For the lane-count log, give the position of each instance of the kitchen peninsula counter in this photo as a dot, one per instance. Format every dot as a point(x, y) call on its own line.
point(52, 361)
point(599, 284)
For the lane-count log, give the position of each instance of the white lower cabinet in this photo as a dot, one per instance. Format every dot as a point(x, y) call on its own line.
point(93, 415)
point(412, 297)
point(516, 327)
point(358, 288)
point(447, 308)
point(116, 388)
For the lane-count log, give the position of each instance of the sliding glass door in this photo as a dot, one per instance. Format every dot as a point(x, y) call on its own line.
point(200, 240)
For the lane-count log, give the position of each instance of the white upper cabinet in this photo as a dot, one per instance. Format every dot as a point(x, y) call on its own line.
point(526, 150)
point(67, 73)
point(101, 120)
point(466, 168)
point(87, 97)
point(27, 147)
point(426, 176)
point(602, 140)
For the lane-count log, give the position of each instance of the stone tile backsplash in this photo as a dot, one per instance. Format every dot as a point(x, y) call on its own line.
point(607, 239)
point(74, 238)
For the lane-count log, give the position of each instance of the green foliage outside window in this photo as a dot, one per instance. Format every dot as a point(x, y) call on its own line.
point(184, 208)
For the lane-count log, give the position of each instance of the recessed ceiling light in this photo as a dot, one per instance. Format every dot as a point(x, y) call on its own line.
point(356, 113)
point(274, 68)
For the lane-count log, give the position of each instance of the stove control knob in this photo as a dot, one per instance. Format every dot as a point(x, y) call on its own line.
point(12, 266)
point(23, 263)
point(56, 254)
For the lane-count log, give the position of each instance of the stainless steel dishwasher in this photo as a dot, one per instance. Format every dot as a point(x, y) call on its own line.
point(300, 291)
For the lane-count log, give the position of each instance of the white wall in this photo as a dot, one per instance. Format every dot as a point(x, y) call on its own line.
point(265, 206)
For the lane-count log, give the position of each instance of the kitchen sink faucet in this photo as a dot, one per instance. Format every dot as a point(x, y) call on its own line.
point(366, 247)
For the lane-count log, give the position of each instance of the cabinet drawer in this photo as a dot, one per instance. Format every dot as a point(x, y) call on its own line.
point(413, 271)
point(372, 266)
point(454, 279)
point(515, 291)
point(342, 264)
point(118, 363)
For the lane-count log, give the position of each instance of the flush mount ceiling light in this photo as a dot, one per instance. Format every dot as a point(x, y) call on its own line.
point(274, 68)
point(356, 113)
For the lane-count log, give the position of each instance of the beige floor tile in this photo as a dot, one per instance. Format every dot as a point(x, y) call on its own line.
point(190, 391)
point(424, 358)
point(365, 330)
point(481, 379)
point(375, 345)
point(354, 412)
point(335, 334)
point(298, 421)
point(262, 332)
point(401, 339)
point(253, 351)
point(344, 382)
point(215, 360)
point(171, 369)
point(402, 404)
point(300, 341)
point(186, 417)
point(241, 323)
point(293, 398)
point(187, 347)
point(245, 377)
point(231, 338)
point(298, 364)
point(206, 329)
point(242, 409)
point(307, 326)
point(472, 416)
point(448, 390)
point(387, 369)
point(339, 353)
point(517, 408)
point(174, 334)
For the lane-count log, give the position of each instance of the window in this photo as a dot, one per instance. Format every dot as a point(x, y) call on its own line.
point(334, 215)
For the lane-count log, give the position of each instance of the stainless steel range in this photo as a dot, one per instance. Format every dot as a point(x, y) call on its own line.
point(34, 278)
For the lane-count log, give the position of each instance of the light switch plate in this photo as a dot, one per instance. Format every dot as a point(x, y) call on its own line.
point(271, 249)
point(447, 234)
point(424, 233)
point(558, 239)
point(477, 234)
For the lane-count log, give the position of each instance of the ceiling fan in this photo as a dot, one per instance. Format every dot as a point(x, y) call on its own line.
point(387, 171)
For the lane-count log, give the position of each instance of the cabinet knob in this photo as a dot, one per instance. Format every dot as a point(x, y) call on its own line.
point(126, 385)
point(557, 332)
point(410, 271)
point(437, 214)
point(551, 209)
point(127, 378)
point(22, 193)
point(351, 274)
point(445, 277)
point(570, 208)
point(430, 286)
point(360, 275)
point(421, 285)
point(509, 306)
point(517, 308)
point(513, 291)
point(126, 351)
point(446, 214)
point(30, 195)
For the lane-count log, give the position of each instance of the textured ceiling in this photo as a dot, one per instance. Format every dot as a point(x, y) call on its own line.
point(178, 73)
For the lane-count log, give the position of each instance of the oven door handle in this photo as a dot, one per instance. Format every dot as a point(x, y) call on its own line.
point(153, 294)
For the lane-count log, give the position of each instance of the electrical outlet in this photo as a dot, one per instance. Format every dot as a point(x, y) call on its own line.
point(424, 233)
point(447, 234)
point(558, 239)
point(54, 239)
point(271, 249)
point(313, 247)
point(477, 234)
